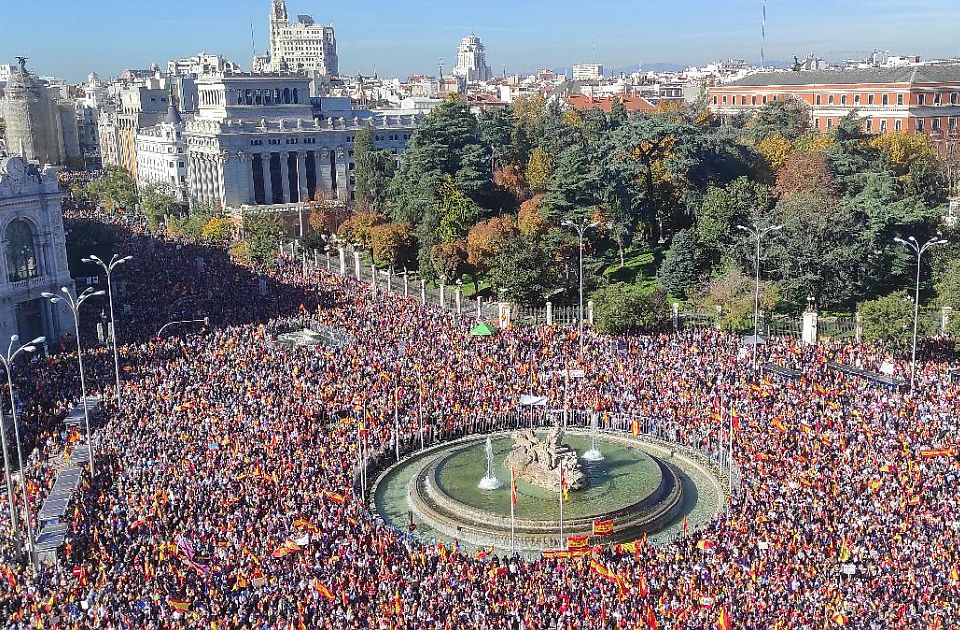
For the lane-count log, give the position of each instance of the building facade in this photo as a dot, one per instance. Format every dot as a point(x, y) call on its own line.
point(141, 105)
point(472, 61)
point(39, 126)
point(301, 46)
point(587, 72)
point(916, 99)
point(162, 156)
point(34, 251)
point(261, 140)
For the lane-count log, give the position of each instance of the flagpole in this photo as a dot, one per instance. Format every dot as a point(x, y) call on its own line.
point(513, 502)
point(562, 484)
point(396, 421)
point(363, 455)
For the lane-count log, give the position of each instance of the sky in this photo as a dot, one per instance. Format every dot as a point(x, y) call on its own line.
point(71, 38)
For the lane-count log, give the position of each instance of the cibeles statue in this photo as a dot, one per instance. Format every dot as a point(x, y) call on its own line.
point(539, 462)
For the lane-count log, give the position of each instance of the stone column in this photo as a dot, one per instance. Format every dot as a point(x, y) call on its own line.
point(302, 176)
point(356, 263)
point(343, 175)
point(590, 312)
point(479, 308)
point(246, 165)
point(193, 178)
point(406, 284)
point(549, 313)
point(285, 176)
point(373, 277)
point(809, 331)
point(343, 261)
point(389, 279)
point(221, 173)
point(324, 178)
point(423, 291)
point(265, 159)
point(457, 296)
point(945, 313)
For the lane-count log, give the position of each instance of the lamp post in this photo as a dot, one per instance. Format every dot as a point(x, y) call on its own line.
point(757, 233)
point(205, 321)
point(8, 366)
point(74, 305)
point(911, 243)
point(108, 269)
point(580, 228)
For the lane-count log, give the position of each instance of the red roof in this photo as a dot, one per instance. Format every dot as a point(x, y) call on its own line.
point(631, 103)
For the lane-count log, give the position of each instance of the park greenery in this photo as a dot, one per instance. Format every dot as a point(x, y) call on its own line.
point(485, 198)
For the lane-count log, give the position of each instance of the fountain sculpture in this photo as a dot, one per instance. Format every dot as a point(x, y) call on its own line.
point(539, 463)
point(594, 454)
point(489, 481)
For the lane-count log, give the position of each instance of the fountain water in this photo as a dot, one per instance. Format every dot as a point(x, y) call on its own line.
point(594, 454)
point(489, 481)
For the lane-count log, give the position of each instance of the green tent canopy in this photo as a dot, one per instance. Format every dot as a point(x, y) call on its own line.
point(483, 329)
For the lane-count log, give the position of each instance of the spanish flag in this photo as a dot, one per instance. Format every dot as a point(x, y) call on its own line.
point(304, 524)
point(483, 553)
point(396, 602)
point(325, 592)
point(563, 486)
point(635, 428)
point(778, 425)
point(575, 543)
point(706, 545)
point(513, 487)
point(555, 554)
point(723, 620)
point(603, 528)
point(840, 619)
point(844, 551)
point(929, 453)
point(336, 497)
point(178, 604)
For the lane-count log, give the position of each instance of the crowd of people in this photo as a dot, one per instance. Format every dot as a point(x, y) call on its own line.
point(225, 493)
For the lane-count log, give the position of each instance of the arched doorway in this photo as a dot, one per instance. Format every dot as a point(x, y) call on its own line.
point(20, 252)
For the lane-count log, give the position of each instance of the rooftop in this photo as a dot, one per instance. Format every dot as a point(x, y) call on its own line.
point(934, 73)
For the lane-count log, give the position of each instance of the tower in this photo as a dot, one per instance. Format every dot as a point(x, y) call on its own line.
point(278, 20)
point(33, 118)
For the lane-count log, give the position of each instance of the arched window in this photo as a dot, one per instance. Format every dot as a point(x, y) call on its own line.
point(296, 99)
point(286, 95)
point(277, 97)
point(21, 254)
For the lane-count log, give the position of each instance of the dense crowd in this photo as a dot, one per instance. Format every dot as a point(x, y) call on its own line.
point(225, 492)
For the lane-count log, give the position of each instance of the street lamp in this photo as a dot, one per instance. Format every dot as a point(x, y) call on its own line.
point(918, 249)
point(580, 228)
point(8, 366)
point(758, 233)
point(74, 305)
point(108, 269)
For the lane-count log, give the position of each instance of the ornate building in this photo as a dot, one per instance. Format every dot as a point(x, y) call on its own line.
point(472, 61)
point(261, 140)
point(301, 46)
point(38, 126)
point(162, 155)
point(34, 251)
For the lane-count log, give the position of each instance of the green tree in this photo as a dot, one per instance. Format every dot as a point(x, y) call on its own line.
point(539, 170)
point(521, 268)
point(888, 318)
point(573, 188)
point(262, 235)
point(734, 294)
point(373, 170)
point(621, 308)
point(114, 189)
point(157, 202)
point(723, 208)
point(787, 117)
point(618, 113)
point(948, 294)
point(683, 265)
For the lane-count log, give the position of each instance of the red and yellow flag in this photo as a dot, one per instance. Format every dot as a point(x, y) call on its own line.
point(603, 528)
point(930, 453)
point(182, 605)
point(513, 486)
point(723, 620)
point(325, 592)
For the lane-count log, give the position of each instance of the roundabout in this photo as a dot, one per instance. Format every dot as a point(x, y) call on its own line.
point(461, 492)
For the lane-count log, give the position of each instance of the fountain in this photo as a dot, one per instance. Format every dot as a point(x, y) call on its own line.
point(594, 454)
point(489, 481)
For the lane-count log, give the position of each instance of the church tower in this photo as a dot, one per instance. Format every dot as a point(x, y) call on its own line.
point(33, 119)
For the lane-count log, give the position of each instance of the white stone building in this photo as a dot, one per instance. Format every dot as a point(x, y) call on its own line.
point(34, 251)
point(202, 63)
point(261, 140)
point(587, 72)
point(472, 61)
point(162, 156)
point(301, 46)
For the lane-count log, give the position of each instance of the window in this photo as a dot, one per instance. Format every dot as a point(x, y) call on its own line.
point(753, 101)
point(921, 99)
point(724, 99)
point(21, 254)
point(856, 99)
point(181, 165)
point(885, 99)
point(937, 98)
point(898, 125)
point(952, 124)
point(830, 100)
point(900, 99)
point(953, 98)
point(936, 124)
point(714, 99)
point(869, 125)
point(843, 99)
point(920, 125)
point(829, 123)
point(764, 99)
point(743, 100)
point(818, 99)
point(869, 99)
point(883, 126)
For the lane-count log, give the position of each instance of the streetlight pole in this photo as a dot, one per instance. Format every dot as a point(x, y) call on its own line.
point(74, 305)
point(108, 269)
point(580, 228)
point(912, 244)
point(757, 233)
point(7, 366)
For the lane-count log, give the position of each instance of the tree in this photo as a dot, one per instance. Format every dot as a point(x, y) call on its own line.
point(734, 293)
point(510, 180)
point(723, 208)
point(157, 202)
point(530, 219)
point(457, 213)
point(618, 113)
point(114, 189)
point(889, 318)
point(620, 309)
point(683, 265)
point(261, 234)
point(486, 238)
point(788, 117)
point(217, 230)
point(774, 149)
point(391, 243)
point(573, 188)
point(539, 170)
point(449, 259)
point(948, 294)
point(357, 229)
point(805, 172)
point(85, 237)
point(522, 269)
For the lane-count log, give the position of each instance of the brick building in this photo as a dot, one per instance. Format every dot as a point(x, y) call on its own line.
point(914, 99)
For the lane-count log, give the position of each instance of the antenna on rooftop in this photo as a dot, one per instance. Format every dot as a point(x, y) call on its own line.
point(763, 33)
point(253, 38)
point(441, 68)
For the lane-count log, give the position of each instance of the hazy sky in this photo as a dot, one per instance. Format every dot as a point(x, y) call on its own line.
point(70, 38)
